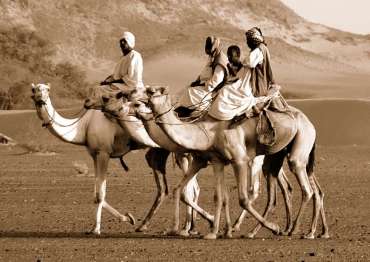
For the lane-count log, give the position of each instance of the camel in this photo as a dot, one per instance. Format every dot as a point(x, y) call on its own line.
point(103, 139)
point(124, 112)
point(238, 144)
point(135, 129)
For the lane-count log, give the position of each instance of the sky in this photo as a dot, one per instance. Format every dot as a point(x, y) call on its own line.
point(348, 15)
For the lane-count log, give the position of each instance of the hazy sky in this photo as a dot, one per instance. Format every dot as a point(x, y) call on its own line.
point(347, 15)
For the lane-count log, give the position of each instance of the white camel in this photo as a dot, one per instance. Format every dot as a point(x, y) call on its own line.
point(104, 139)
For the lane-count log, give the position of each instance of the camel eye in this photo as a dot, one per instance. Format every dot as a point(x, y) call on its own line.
point(105, 99)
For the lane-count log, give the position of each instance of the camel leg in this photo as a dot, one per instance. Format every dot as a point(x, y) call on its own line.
point(196, 165)
point(160, 197)
point(228, 228)
point(272, 167)
point(156, 159)
point(286, 189)
point(316, 208)
point(254, 184)
point(298, 167)
point(325, 228)
point(193, 230)
point(190, 192)
point(218, 169)
point(101, 165)
point(271, 203)
point(241, 171)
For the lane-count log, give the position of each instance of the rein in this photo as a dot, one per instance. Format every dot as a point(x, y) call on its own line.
point(80, 114)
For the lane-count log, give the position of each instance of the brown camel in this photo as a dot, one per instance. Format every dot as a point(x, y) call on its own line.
point(103, 139)
point(238, 144)
point(125, 115)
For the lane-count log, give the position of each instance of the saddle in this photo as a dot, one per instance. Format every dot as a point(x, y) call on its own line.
point(276, 124)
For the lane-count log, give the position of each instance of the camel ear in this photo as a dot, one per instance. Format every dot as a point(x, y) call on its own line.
point(164, 90)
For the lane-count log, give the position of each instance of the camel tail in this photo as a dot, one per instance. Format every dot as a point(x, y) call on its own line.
point(311, 161)
point(125, 167)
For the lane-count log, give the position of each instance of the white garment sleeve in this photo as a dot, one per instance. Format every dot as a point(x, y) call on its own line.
point(216, 79)
point(255, 58)
point(134, 74)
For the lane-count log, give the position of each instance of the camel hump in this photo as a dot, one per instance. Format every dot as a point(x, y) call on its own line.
point(275, 130)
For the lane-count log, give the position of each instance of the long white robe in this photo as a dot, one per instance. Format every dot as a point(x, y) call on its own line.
point(201, 96)
point(236, 98)
point(130, 69)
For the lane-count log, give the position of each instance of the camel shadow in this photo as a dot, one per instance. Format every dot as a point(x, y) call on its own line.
point(83, 235)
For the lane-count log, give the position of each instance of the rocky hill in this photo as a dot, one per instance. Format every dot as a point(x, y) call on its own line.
point(85, 33)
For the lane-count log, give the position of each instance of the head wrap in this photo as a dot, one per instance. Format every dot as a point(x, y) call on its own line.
point(216, 45)
point(130, 39)
point(254, 35)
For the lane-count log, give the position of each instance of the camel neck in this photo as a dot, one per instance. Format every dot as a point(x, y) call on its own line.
point(71, 130)
point(192, 136)
point(136, 130)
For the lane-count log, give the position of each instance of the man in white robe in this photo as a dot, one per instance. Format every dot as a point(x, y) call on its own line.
point(128, 73)
point(236, 98)
point(199, 94)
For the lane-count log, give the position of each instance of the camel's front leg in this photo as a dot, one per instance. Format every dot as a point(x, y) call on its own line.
point(156, 159)
point(101, 165)
point(218, 169)
point(161, 196)
point(196, 165)
point(241, 171)
point(191, 191)
point(254, 185)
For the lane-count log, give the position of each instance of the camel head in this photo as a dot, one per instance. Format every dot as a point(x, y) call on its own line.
point(159, 100)
point(40, 93)
point(94, 98)
point(120, 108)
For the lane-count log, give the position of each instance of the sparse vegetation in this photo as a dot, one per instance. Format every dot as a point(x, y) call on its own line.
point(28, 58)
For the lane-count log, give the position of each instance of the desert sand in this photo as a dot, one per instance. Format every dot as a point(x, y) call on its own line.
point(47, 206)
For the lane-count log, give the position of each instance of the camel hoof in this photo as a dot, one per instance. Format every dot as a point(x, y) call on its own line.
point(94, 231)
point(228, 234)
point(285, 233)
point(236, 228)
point(276, 230)
point(309, 236)
point(193, 232)
point(324, 236)
point(250, 235)
point(184, 233)
point(131, 218)
point(142, 228)
point(210, 236)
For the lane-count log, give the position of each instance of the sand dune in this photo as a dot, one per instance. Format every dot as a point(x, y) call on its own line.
point(338, 122)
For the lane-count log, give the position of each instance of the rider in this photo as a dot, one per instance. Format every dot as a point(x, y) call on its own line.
point(262, 77)
point(128, 73)
point(199, 94)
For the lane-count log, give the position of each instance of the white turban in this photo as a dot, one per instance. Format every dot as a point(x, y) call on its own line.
point(130, 39)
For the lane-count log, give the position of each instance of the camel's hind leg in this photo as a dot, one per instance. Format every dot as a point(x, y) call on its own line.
point(325, 228)
point(298, 161)
point(101, 165)
point(156, 159)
